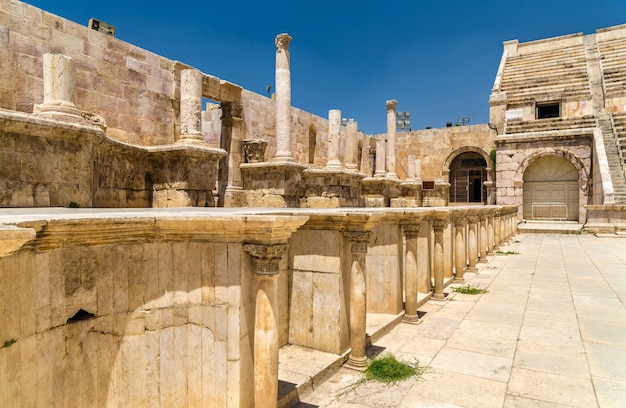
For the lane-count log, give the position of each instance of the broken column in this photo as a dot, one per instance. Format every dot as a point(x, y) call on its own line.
point(351, 146)
point(266, 338)
point(59, 82)
point(391, 139)
point(191, 106)
point(380, 157)
point(283, 99)
point(334, 139)
point(230, 172)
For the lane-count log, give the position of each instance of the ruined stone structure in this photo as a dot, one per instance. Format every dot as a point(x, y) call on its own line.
point(143, 297)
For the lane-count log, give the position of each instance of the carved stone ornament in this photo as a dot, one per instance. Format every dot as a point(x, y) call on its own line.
point(391, 105)
point(411, 230)
point(266, 257)
point(254, 150)
point(359, 240)
point(439, 225)
point(282, 41)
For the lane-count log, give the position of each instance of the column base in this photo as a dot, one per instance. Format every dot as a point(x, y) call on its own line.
point(471, 269)
point(459, 280)
point(356, 363)
point(193, 138)
point(439, 297)
point(411, 319)
point(483, 260)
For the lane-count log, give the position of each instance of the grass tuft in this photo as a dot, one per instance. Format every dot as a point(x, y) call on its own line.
point(388, 369)
point(469, 290)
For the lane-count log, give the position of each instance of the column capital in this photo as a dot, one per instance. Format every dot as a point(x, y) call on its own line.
point(282, 41)
point(411, 230)
point(472, 219)
point(359, 240)
point(391, 105)
point(266, 257)
point(459, 221)
point(231, 109)
point(439, 224)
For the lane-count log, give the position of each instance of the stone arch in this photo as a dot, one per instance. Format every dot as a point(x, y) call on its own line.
point(445, 170)
point(469, 173)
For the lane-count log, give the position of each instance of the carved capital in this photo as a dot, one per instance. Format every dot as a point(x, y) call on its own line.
point(472, 219)
point(359, 240)
point(391, 105)
point(282, 41)
point(411, 230)
point(266, 257)
point(439, 225)
point(459, 222)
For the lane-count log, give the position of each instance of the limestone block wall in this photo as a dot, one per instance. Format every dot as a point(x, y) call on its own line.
point(434, 146)
point(384, 269)
point(112, 320)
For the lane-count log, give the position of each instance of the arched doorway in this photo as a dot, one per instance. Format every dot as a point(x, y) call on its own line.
point(551, 189)
point(468, 173)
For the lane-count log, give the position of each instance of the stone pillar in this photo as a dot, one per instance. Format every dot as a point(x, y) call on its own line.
point(266, 337)
point(472, 242)
point(358, 301)
point(334, 139)
point(418, 169)
point(230, 173)
point(448, 250)
point(59, 83)
point(410, 167)
point(391, 139)
point(380, 157)
point(423, 261)
point(483, 240)
point(491, 231)
point(191, 106)
point(411, 274)
point(459, 249)
point(352, 146)
point(283, 99)
point(496, 232)
point(438, 226)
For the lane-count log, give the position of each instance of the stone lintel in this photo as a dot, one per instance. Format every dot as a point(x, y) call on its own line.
point(13, 238)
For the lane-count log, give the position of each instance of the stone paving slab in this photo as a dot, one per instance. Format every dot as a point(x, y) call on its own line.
point(556, 340)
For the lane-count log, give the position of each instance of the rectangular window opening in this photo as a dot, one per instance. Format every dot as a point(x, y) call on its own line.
point(549, 110)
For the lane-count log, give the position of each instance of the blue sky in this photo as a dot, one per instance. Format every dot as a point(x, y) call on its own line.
point(437, 58)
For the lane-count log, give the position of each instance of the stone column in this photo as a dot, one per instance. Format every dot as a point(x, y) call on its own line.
point(438, 226)
point(423, 260)
point(266, 339)
point(352, 145)
point(497, 232)
point(472, 242)
point(230, 173)
point(418, 169)
point(59, 83)
point(283, 99)
point(459, 249)
point(358, 301)
point(491, 231)
point(391, 139)
point(483, 240)
point(448, 250)
point(410, 167)
point(380, 157)
point(334, 139)
point(191, 106)
point(411, 274)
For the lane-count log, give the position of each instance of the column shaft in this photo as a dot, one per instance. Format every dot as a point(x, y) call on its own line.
point(283, 99)
point(334, 139)
point(391, 139)
point(482, 239)
point(411, 274)
point(191, 106)
point(358, 300)
point(460, 252)
point(438, 226)
point(472, 251)
point(351, 146)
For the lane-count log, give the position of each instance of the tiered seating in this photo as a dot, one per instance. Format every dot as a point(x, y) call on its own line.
point(613, 57)
point(619, 120)
point(540, 125)
point(561, 70)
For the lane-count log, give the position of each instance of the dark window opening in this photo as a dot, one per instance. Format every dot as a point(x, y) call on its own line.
point(552, 110)
point(80, 315)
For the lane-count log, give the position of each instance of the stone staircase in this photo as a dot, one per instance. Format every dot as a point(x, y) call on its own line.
point(615, 159)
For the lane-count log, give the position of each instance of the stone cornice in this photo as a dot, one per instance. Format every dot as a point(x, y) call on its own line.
point(13, 238)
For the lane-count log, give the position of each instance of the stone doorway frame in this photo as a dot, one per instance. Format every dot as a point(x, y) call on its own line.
point(445, 171)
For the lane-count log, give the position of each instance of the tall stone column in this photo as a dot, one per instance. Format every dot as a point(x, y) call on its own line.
point(438, 226)
point(231, 141)
point(483, 240)
point(283, 99)
point(497, 232)
point(334, 139)
point(459, 249)
point(358, 301)
point(191, 106)
point(266, 337)
point(391, 139)
point(411, 274)
point(352, 146)
point(410, 167)
point(380, 157)
point(472, 242)
point(491, 233)
point(448, 250)
point(423, 261)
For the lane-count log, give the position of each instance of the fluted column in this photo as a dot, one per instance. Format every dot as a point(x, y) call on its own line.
point(191, 106)
point(411, 274)
point(483, 240)
point(358, 301)
point(459, 249)
point(352, 146)
point(283, 99)
point(334, 139)
point(438, 226)
point(472, 243)
point(391, 139)
point(266, 338)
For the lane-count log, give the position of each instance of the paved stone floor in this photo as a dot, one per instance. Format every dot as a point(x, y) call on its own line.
point(550, 332)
